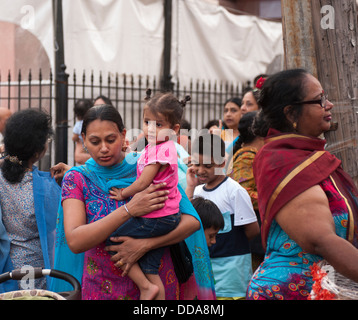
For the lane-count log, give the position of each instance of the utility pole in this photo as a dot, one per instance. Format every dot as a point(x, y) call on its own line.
point(298, 39)
point(166, 82)
point(322, 37)
point(61, 85)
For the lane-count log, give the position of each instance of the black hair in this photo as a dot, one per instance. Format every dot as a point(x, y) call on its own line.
point(245, 129)
point(212, 123)
point(210, 145)
point(185, 124)
point(105, 99)
point(26, 134)
point(166, 104)
point(102, 112)
point(259, 125)
point(81, 107)
point(281, 90)
point(209, 213)
point(235, 100)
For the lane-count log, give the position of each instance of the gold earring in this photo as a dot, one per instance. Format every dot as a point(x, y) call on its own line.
point(294, 125)
point(124, 147)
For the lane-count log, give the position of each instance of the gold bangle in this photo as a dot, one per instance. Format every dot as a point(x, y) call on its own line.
point(125, 207)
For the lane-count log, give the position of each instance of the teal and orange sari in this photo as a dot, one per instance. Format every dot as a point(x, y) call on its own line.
point(286, 166)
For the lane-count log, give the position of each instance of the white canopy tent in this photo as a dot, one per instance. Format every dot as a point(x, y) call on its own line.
point(126, 36)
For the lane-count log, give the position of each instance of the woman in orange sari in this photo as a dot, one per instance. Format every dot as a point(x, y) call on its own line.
point(240, 169)
point(307, 203)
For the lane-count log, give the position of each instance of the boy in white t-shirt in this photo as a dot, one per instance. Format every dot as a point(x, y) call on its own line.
point(230, 256)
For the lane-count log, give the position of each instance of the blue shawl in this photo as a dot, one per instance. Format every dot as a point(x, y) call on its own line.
point(47, 195)
point(121, 176)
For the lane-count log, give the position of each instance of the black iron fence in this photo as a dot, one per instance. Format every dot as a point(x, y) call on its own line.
point(126, 92)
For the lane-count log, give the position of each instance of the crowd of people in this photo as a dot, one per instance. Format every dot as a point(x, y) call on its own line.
point(244, 210)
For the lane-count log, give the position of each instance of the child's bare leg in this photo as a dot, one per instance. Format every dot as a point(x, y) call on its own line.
point(148, 290)
point(155, 279)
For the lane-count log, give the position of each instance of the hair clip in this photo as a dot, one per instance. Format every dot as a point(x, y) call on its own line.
point(14, 159)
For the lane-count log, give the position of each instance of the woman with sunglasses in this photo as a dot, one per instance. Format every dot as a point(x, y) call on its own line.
point(307, 203)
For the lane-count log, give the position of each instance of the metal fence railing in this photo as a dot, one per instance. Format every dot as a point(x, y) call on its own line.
point(126, 92)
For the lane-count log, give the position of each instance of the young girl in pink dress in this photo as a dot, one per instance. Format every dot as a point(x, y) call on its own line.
point(158, 163)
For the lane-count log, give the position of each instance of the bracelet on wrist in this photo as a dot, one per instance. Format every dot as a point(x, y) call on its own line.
point(125, 208)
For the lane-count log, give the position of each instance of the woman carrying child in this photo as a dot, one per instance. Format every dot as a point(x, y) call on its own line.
point(158, 163)
point(90, 216)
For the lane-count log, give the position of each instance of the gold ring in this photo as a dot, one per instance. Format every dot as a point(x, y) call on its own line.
point(120, 263)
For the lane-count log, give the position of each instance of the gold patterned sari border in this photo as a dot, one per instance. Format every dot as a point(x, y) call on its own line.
point(287, 136)
point(290, 176)
point(350, 213)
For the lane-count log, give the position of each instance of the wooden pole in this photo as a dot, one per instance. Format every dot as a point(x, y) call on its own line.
point(298, 39)
point(337, 67)
point(321, 36)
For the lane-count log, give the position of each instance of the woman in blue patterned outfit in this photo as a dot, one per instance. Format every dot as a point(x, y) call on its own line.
point(307, 203)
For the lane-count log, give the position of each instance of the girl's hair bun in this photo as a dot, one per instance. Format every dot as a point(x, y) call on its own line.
point(148, 93)
point(185, 100)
